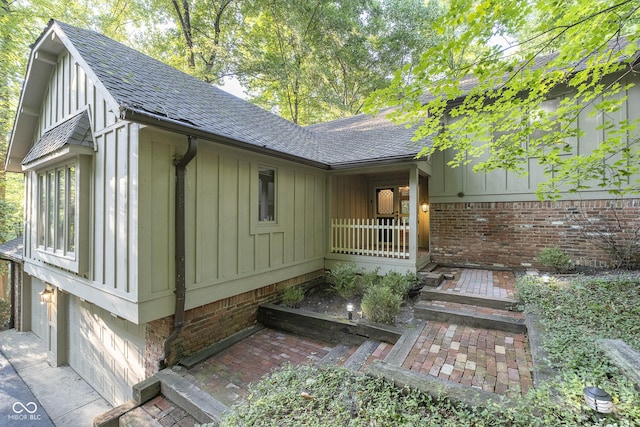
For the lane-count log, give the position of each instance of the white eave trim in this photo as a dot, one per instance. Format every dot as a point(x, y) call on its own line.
point(64, 153)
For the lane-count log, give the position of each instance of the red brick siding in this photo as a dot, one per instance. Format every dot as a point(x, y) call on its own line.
point(210, 323)
point(17, 286)
point(511, 234)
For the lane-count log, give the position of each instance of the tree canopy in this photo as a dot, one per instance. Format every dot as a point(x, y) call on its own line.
point(316, 61)
point(515, 76)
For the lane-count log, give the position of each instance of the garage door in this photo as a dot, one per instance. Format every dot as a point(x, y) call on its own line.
point(105, 350)
point(39, 320)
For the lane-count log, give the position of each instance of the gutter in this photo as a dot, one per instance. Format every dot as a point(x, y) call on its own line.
point(180, 163)
point(186, 128)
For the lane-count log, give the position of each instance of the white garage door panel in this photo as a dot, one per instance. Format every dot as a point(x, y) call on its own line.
point(107, 351)
point(39, 320)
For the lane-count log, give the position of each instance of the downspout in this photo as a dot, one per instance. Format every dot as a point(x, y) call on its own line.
point(180, 163)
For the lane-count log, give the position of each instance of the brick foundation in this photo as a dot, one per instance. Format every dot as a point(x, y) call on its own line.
point(511, 234)
point(210, 323)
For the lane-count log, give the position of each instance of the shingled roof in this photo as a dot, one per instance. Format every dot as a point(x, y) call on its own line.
point(364, 138)
point(144, 86)
point(12, 250)
point(75, 131)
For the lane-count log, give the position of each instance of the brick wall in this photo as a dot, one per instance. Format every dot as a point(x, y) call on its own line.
point(17, 297)
point(511, 234)
point(210, 323)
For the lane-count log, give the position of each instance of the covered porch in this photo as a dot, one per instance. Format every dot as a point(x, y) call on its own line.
point(379, 218)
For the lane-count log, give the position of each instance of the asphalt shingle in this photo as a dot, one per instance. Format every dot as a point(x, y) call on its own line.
point(75, 131)
point(141, 84)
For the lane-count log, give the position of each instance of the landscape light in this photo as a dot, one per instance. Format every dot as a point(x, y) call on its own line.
point(350, 311)
point(598, 400)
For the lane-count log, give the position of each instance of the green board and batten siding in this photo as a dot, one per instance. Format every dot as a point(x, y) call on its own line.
point(129, 244)
point(447, 183)
point(228, 250)
point(107, 194)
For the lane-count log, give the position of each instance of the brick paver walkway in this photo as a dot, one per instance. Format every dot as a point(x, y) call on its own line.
point(167, 413)
point(489, 283)
point(226, 375)
point(491, 360)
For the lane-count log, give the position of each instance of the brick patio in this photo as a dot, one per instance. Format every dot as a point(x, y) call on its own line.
point(489, 283)
point(490, 360)
point(227, 375)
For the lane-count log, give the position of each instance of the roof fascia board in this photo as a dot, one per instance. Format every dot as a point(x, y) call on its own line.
point(373, 162)
point(64, 153)
point(22, 109)
point(38, 58)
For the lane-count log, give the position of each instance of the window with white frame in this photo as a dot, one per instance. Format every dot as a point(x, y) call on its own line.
point(266, 195)
point(57, 193)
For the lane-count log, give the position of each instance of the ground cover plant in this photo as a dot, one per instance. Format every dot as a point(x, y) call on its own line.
point(574, 314)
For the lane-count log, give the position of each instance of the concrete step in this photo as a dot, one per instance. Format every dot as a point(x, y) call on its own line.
point(357, 359)
point(471, 315)
point(427, 294)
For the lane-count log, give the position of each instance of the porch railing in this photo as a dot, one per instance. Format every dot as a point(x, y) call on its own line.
point(373, 237)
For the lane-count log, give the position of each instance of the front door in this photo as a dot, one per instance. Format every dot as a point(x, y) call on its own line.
point(392, 208)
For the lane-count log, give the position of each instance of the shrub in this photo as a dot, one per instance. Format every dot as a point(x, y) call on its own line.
point(345, 279)
point(555, 259)
point(397, 283)
point(370, 279)
point(381, 304)
point(292, 296)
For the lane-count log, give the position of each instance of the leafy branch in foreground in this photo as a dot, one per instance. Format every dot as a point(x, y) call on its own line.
point(501, 107)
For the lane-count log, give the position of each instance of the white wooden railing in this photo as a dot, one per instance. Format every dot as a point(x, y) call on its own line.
point(374, 237)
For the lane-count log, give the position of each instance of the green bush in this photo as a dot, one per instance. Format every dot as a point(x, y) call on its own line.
point(370, 279)
point(292, 296)
point(346, 280)
point(555, 259)
point(398, 283)
point(381, 304)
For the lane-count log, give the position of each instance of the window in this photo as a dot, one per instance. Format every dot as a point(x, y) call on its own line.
point(57, 210)
point(266, 195)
